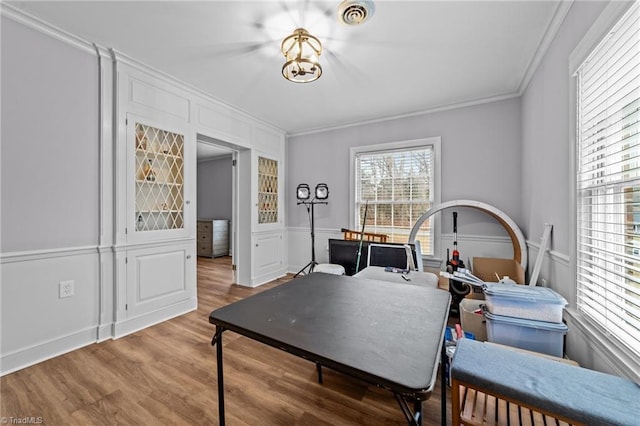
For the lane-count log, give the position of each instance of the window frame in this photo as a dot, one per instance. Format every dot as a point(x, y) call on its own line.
point(621, 358)
point(435, 144)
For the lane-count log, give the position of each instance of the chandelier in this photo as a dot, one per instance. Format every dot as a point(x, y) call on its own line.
point(301, 51)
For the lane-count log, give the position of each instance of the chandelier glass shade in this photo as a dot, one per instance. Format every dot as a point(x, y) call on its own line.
point(301, 51)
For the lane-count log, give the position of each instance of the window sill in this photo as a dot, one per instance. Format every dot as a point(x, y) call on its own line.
point(621, 359)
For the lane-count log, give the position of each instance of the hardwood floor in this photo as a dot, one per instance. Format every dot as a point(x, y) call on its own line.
point(165, 375)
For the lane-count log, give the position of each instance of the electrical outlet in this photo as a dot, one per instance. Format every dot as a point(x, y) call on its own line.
point(65, 289)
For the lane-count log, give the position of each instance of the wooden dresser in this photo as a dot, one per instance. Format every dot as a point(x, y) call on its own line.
point(213, 237)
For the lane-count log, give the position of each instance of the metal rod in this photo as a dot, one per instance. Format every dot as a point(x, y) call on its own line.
point(405, 408)
point(311, 212)
point(364, 221)
point(313, 240)
point(443, 385)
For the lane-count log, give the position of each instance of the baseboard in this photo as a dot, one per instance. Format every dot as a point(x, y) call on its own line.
point(104, 332)
point(26, 357)
point(131, 325)
point(265, 278)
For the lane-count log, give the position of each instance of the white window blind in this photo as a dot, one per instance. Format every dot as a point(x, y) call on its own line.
point(396, 187)
point(608, 183)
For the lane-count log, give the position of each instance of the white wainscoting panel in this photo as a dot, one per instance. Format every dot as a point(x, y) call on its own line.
point(36, 324)
point(159, 275)
point(160, 284)
point(159, 99)
point(107, 291)
point(299, 244)
point(222, 120)
point(268, 254)
point(267, 140)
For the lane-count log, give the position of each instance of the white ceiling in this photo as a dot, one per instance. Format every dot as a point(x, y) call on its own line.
point(205, 151)
point(412, 56)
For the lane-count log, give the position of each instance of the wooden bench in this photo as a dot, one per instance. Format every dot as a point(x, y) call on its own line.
point(480, 409)
point(494, 385)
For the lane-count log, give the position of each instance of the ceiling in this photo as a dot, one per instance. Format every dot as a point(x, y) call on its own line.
point(410, 57)
point(206, 151)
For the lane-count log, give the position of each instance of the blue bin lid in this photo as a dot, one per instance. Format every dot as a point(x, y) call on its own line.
point(524, 293)
point(523, 322)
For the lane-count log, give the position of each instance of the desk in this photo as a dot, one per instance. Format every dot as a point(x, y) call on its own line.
point(386, 334)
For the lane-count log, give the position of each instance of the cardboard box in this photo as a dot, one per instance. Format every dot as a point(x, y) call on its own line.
point(472, 322)
point(486, 269)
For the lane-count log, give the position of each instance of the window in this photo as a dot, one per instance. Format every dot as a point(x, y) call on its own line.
point(608, 183)
point(395, 184)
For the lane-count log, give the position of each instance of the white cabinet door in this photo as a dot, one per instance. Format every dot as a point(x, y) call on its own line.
point(268, 256)
point(268, 181)
point(159, 180)
point(159, 277)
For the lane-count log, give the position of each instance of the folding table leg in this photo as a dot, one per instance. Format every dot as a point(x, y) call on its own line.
point(417, 412)
point(443, 385)
point(217, 340)
point(414, 418)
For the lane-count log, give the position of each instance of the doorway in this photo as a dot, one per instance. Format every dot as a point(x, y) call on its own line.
point(215, 203)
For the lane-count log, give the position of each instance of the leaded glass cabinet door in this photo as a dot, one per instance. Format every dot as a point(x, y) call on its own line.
point(267, 190)
point(159, 180)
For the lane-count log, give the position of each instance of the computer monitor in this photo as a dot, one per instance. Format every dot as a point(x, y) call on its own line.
point(345, 253)
point(394, 255)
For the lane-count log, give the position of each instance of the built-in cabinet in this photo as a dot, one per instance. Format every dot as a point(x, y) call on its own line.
point(267, 245)
point(157, 178)
point(158, 236)
point(155, 170)
point(267, 190)
point(156, 251)
point(136, 264)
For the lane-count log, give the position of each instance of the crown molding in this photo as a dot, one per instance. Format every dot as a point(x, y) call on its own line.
point(545, 41)
point(30, 21)
point(543, 46)
point(433, 110)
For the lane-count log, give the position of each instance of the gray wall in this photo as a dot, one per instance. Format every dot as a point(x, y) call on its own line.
point(50, 192)
point(481, 156)
point(548, 114)
point(214, 188)
point(546, 120)
point(49, 150)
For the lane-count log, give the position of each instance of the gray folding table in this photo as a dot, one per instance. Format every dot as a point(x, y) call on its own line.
point(386, 334)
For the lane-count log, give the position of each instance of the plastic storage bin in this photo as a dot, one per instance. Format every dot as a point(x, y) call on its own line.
point(521, 301)
point(537, 336)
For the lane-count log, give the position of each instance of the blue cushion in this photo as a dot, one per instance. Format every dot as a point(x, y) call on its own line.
point(577, 393)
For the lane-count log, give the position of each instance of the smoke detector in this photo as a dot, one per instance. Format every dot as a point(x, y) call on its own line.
point(355, 12)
